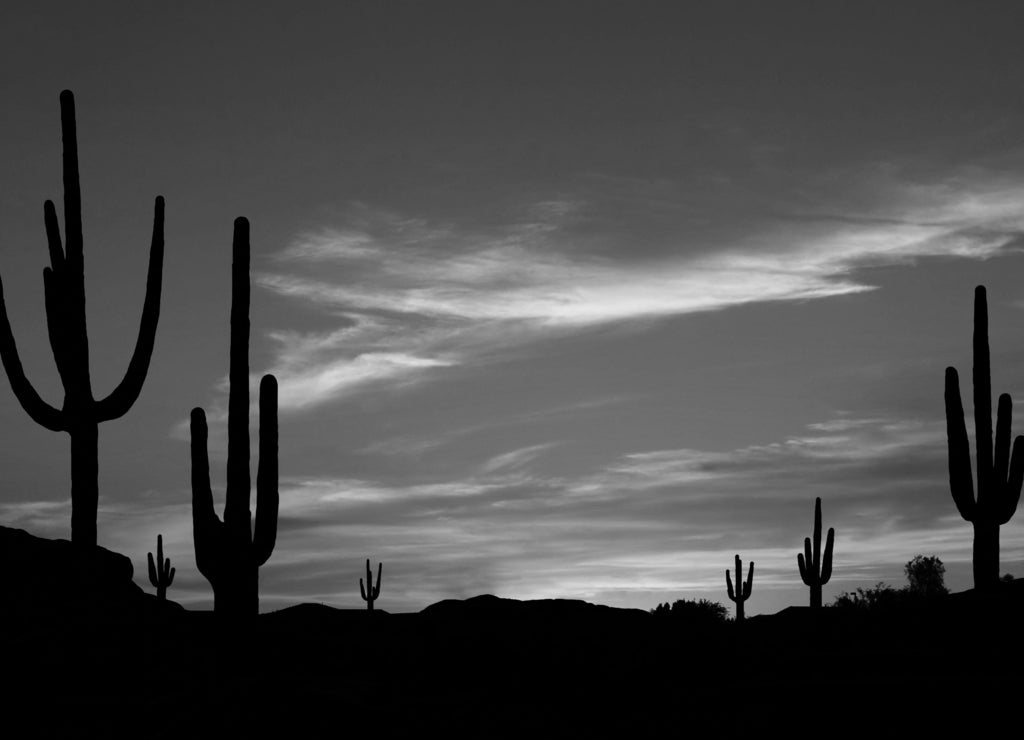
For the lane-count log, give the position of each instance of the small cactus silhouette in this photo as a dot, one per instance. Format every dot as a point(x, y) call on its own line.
point(813, 568)
point(740, 595)
point(370, 592)
point(64, 291)
point(161, 574)
point(999, 481)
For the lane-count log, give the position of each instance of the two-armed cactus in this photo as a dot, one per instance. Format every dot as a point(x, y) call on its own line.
point(64, 291)
point(230, 552)
point(999, 480)
point(740, 595)
point(161, 574)
point(814, 569)
point(370, 592)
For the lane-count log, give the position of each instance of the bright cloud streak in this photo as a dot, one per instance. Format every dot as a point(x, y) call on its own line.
point(420, 296)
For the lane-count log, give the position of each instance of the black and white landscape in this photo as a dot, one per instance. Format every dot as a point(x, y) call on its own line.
point(424, 366)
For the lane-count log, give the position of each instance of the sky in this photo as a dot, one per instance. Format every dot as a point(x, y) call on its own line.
point(565, 299)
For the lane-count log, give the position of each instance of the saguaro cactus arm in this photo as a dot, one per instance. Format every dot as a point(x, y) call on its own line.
point(127, 391)
point(38, 410)
point(370, 592)
point(267, 498)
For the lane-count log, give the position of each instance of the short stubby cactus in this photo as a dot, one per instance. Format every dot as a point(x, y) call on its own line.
point(740, 595)
point(815, 570)
point(161, 574)
point(999, 479)
point(371, 591)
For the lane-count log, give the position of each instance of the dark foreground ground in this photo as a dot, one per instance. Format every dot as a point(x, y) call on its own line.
point(87, 654)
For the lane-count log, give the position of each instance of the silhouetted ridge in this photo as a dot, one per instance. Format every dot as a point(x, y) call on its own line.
point(230, 552)
point(45, 578)
point(999, 481)
point(488, 606)
point(64, 290)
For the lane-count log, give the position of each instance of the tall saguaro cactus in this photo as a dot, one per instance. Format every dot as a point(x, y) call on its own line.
point(230, 552)
point(370, 592)
point(161, 574)
point(740, 595)
point(814, 569)
point(64, 290)
point(999, 479)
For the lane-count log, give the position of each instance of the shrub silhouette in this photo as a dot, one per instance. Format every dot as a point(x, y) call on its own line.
point(230, 552)
point(814, 570)
point(740, 595)
point(881, 597)
point(371, 592)
point(691, 611)
point(999, 481)
point(161, 574)
point(926, 576)
point(64, 290)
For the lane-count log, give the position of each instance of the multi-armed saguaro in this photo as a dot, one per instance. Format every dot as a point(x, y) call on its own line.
point(999, 481)
point(161, 574)
point(813, 569)
point(64, 290)
point(371, 592)
point(230, 552)
point(740, 595)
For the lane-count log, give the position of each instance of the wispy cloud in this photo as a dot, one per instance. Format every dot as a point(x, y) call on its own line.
point(413, 296)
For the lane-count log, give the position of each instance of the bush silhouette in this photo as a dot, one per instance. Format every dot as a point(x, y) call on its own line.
point(693, 611)
point(64, 290)
point(882, 596)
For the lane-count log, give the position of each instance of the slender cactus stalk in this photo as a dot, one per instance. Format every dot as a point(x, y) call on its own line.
point(815, 570)
point(738, 596)
point(999, 479)
point(229, 553)
point(64, 290)
point(370, 592)
point(161, 574)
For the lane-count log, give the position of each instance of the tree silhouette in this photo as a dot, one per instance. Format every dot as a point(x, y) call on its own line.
point(925, 576)
point(230, 552)
point(999, 480)
point(64, 290)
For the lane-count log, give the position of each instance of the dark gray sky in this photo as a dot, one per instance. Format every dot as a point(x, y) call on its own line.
point(565, 299)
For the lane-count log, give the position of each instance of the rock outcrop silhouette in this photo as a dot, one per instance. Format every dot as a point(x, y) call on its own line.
point(815, 569)
point(64, 289)
point(999, 479)
point(229, 553)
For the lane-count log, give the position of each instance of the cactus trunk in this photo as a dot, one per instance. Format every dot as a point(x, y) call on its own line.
point(84, 482)
point(986, 554)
